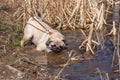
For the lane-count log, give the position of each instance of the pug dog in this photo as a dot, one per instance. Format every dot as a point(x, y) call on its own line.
point(43, 36)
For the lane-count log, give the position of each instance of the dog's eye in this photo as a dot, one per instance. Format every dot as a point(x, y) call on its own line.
point(48, 42)
point(64, 40)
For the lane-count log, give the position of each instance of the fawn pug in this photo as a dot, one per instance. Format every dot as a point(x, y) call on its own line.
point(43, 36)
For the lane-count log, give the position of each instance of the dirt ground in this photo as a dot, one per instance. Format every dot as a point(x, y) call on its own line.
point(14, 63)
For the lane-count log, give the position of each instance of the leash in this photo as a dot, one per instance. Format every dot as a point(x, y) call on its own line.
point(42, 26)
point(48, 32)
point(38, 22)
point(37, 28)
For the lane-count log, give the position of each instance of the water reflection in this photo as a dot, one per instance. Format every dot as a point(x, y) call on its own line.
point(54, 59)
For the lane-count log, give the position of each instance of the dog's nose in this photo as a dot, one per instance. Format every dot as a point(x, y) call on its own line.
point(53, 46)
point(56, 49)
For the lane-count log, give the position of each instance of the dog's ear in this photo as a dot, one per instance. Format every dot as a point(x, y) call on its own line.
point(48, 42)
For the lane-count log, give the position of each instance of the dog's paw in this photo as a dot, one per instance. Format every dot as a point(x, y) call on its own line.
point(38, 49)
point(21, 43)
point(47, 50)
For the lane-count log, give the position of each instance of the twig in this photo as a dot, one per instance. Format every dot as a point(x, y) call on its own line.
point(98, 70)
point(20, 74)
point(13, 69)
point(56, 77)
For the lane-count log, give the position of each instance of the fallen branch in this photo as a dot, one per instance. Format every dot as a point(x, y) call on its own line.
point(20, 74)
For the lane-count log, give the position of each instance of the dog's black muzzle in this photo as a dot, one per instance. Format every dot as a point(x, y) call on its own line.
point(56, 49)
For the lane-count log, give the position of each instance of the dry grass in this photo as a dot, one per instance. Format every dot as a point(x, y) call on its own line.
point(73, 14)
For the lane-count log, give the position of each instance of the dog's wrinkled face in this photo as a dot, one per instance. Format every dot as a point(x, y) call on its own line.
point(56, 43)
